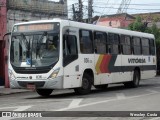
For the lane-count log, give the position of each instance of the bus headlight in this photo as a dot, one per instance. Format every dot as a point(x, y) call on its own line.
point(11, 75)
point(54, 73)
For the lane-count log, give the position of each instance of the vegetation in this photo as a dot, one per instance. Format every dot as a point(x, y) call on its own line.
point(138, 25)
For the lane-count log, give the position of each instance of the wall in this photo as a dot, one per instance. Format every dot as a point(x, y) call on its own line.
point(30, 10)
point(3, 51)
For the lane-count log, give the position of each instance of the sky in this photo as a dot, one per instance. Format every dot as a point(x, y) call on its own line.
point(106, 7)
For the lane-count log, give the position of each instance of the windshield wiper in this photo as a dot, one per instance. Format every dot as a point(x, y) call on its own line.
point(40, 41)
point(25, 41)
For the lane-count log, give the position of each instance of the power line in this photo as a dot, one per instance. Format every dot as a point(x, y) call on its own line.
point(128, 8)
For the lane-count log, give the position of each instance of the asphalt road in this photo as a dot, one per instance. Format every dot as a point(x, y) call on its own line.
point(116, 98)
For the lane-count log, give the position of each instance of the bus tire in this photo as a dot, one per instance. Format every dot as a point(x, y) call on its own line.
point(86, 85)
point(135, 82)
point(44, 92)
point(101, 87)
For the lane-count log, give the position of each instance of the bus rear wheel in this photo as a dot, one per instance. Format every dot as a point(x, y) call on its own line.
point(135, 82)
point(86, 85)
point(44, 92)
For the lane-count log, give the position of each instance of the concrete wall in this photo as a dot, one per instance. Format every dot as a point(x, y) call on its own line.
point(3, 20)
point(17, 16)
point(39, 6)
point(30, 10)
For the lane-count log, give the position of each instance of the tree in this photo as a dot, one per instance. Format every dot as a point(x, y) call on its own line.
point(138, 25)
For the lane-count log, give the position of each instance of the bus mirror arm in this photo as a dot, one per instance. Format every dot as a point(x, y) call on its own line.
point(9, 33)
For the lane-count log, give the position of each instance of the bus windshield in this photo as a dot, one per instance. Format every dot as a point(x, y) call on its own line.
point(34, 49)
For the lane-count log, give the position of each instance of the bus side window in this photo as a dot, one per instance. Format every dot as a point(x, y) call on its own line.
point(69, 45)
point(86, 42)
point(152, 47)
point(126, 44)
point(70, 51)
point(145, 46)
point(136, 46)
point(113, 43)
point(100, 40)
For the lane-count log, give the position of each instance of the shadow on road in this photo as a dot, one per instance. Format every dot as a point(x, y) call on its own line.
point(71, 94)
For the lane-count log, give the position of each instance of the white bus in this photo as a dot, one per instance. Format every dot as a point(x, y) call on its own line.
point(61, 54)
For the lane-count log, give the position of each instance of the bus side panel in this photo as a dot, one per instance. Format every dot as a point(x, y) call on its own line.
point(149, 67)
point(116, 68)
point(127, 68)
point(73, 72)
point(102, 73)
point(72, 76)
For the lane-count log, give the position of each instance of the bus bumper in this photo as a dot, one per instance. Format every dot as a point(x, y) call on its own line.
point(56, 83)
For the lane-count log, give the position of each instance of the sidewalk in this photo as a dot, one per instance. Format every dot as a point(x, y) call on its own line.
point(8, 91)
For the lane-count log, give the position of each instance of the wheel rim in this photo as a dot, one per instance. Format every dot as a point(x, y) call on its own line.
point(85, 83)
point(137, 80)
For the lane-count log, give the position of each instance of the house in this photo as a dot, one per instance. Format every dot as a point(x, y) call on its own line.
point(116, 20)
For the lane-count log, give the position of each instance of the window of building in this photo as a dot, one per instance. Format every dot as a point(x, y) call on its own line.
point(137, 46)
point(113, 43)
point(100, 39)
point(86, 43)
point(145, 46)
point(126, 44)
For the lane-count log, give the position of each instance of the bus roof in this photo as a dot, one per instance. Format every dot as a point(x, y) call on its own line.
point(93, 27)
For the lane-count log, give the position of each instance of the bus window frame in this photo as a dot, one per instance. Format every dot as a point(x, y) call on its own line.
point(130, 39)
point(106, 43)
point(136, 45)
point(119, 48)
point(91, 37)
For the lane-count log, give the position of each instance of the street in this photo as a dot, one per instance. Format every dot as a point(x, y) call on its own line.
point(116, 98)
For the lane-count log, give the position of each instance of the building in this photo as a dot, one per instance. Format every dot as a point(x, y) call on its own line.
point(116, 20)
point(15, 11)
point(150, 18)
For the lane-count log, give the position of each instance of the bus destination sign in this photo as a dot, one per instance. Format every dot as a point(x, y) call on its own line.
point(34, 27)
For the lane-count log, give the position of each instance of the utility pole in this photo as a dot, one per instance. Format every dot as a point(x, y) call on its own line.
point(90, 10)
point(74, 13)
point(80, 15)
point(123, 6)
point(78, 11)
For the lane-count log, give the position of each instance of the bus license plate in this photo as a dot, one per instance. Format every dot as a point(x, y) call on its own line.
point(31, 86)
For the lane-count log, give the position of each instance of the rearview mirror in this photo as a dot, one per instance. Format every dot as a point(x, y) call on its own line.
point(4, 39)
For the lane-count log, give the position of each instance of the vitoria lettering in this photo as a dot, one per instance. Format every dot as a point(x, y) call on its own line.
point(137, 60)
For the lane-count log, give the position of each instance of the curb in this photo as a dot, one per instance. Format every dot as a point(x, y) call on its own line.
point(17, 92)
point(1, 86)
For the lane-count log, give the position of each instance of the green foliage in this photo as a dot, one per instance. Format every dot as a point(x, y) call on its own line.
point(138, 25)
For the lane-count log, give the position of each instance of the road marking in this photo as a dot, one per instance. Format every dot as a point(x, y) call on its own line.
point(32, 101)
point(152, 91)
point(157, 118)
point(22, 108)
point(120, 96)
point(109, 100)
point(75, 103)
point(156, 87)
point(19, 108)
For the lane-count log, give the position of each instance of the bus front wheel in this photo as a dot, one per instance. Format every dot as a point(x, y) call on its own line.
point(44, 92)
point(86, 85)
